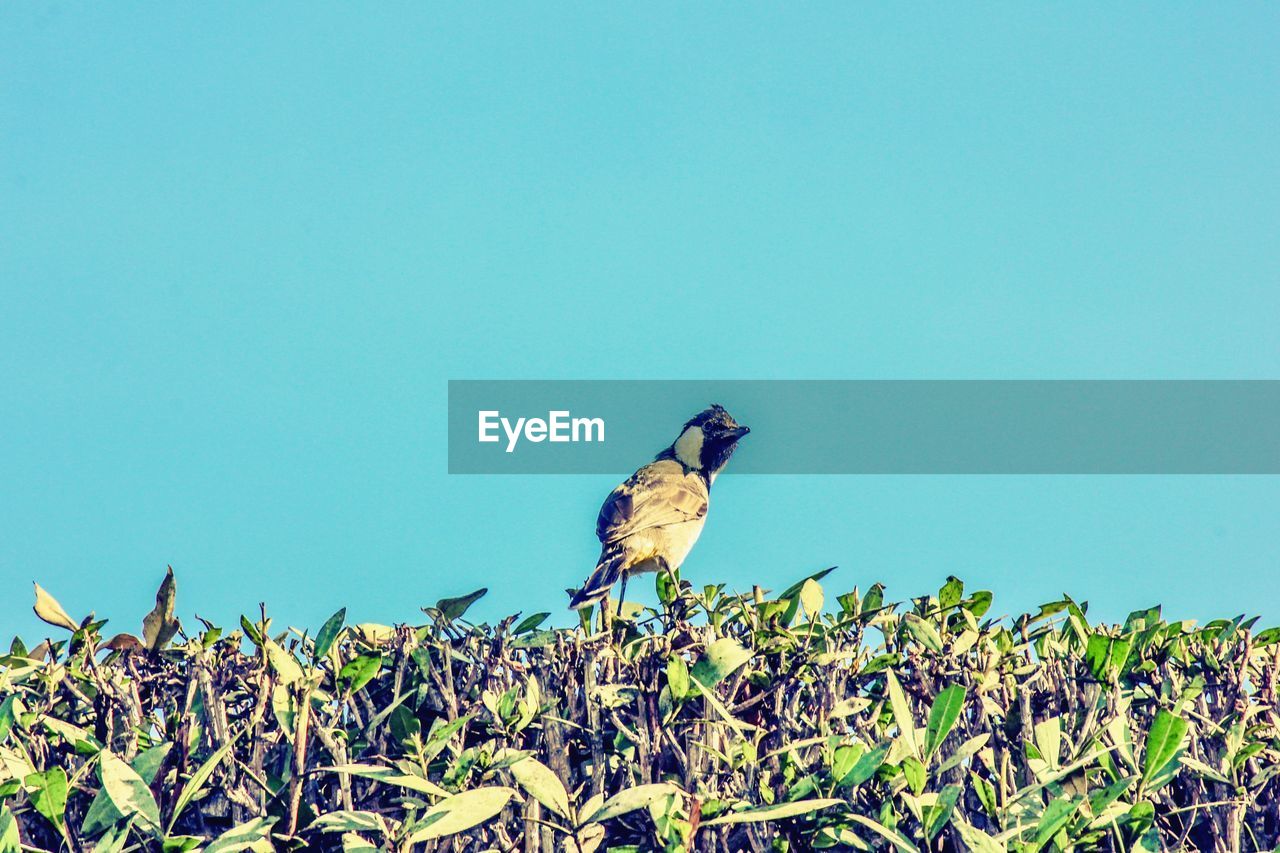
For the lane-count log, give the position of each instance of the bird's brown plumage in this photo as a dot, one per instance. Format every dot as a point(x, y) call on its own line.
point(652, 520)
point(660, 493)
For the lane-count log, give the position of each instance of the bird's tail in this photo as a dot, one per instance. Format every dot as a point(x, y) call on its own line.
point(606, 574)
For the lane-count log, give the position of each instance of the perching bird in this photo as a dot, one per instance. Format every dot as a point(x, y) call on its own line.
point(651, 521)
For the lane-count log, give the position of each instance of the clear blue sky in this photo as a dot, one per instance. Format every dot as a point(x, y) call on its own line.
point(242, 248)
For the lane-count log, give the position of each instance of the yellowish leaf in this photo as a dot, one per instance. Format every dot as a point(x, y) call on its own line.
point(159, 626)
point(48, 609)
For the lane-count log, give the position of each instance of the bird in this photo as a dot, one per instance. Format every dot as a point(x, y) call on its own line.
point(651, 521)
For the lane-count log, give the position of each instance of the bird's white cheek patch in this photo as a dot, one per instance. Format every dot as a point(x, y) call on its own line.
point(689, 447)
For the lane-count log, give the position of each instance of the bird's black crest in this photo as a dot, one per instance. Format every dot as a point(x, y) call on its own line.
point(715, 414)
point(721, 433)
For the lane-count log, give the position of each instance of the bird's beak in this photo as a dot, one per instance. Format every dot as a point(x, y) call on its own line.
point(737, 432)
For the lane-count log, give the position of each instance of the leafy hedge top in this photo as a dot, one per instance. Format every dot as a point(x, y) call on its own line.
point(714, 722)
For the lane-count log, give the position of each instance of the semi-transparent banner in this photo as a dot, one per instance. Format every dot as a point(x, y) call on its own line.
point(874, 427)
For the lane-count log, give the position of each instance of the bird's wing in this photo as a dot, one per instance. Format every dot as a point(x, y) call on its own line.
point(658, 494)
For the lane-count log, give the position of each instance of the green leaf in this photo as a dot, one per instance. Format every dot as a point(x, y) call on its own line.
point(938, 815)
point(1099, 800)
point(986, 794)
point(453, 608)
point(250, 631)
point(359, 672)
point(404, 723)
point(286, 666)
point(843, 759)
point(1059, 774)
point(794, 589)
point(1149, 842)
point(101, 816)
point(709, 696)
point(253, 835)
point(1140, 620)
point(913, 770)
point(665, 584)
point(197, 781)
point(49, 610)
point(951, 593)
point(329, 632)
point(535, 639)
point(543, 785)
point(1097, 654)
point(159, 626)
point(1055, 816)
point(9, 841)
point(899, 841)
point(530, 622)
point(811, 598)
point(149, 761)
point(631, 799)
point(873, 600)
point(924, 632)
point(461, 812)
point(9, 710)
point(1203, 769)
point(391, 777)
point(966, 750)
point(1163, 742)
point(1047, 735)
point(902, 713)
point(771, 813)
point(866, 766)
point(389, 710)
point(718, 661)
point(352, 843)
point(677, 677)
point(979, 603)
point(440, 734)
point(1106, 655)
point(127, 792)
point(14, 764)
point(942, 717)
point(373, 634)
point(1269, 637)
point(350, 821)
point(284, 704)
point(975, 839)
point(1142, 814)
point(79, 739)
point(48, 794)
point(880, 663)
point(113, 840)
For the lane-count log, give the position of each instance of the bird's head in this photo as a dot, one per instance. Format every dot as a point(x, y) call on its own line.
point(708, 440)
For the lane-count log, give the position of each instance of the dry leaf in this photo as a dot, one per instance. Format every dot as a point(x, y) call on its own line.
point(124, 643)
point(48, 609)
point(159, 626)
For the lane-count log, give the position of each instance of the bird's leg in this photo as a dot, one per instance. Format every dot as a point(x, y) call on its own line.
point(606, 616)
point(665, 568)
point(622, 594)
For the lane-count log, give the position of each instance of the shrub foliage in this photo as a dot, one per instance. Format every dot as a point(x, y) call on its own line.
point(716, 721)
